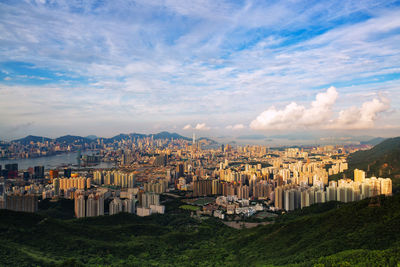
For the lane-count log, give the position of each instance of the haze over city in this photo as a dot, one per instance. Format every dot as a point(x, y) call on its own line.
point(217, 68)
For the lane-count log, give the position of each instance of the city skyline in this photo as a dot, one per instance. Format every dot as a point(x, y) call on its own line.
point(226, 68)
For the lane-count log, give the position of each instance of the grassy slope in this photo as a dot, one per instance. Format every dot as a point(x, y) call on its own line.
point(323, 234)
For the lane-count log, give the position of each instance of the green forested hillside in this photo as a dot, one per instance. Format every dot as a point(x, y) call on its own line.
point(327, 234)
point(381, 160)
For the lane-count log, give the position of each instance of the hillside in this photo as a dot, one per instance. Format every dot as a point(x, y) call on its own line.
point(167, 135)
point(383, 160)
point(373, 141)
point(384, 156)
point(329, 234)
point(31, 138)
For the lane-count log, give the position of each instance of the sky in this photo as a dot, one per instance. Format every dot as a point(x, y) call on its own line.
point(216, 68)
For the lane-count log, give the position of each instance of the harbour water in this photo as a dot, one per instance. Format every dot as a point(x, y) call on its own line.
point(52, 162)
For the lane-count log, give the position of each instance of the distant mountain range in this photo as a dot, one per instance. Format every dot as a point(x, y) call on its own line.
point(71, 139)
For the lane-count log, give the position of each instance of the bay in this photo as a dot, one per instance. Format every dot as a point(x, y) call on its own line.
point(55, 161)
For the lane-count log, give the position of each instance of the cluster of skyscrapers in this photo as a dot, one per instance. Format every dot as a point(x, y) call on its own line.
point(291, 197)
point(115, 177)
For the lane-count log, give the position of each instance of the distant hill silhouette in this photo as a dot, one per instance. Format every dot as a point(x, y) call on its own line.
point(94, 137)
point(167, 135)
point(72, 139)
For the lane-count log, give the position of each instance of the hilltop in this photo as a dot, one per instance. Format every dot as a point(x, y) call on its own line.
point(330, 234)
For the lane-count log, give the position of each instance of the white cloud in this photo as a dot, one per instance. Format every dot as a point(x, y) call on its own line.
point(199, 126)
point(294, 115)
point(363, 117)
point(320, 115)
point(202, 127)
point(187, 127)
point(235, 127)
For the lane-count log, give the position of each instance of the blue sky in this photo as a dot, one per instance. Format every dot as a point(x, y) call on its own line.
point(212, 67)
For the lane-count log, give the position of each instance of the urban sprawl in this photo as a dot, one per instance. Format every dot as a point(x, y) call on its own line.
point(214, 180)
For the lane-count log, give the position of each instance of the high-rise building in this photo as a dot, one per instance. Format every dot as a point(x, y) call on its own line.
point(202, 187)
point(53, 174)
point(117, 178)
point(150, 199)
point(180, 170)
point(56, 186)
point(359, 176)
point(11, 170)
point(304, 198)
point(39, 172)
point(289, 199)
point(91, 206)
point(386, 186)
point(80, 207)
point(100, 204)
point(279, 197)
point(67, 173)
point(115, 206)
point(331, 193)
point(21, 202)
point(129, 204)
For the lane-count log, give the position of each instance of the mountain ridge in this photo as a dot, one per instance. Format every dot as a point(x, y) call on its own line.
point(89, 139)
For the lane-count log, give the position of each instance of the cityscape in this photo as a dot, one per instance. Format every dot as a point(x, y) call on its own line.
point(227, 180)
point(201, 133)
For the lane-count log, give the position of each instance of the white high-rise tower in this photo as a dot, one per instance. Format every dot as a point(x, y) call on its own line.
point(194, 138)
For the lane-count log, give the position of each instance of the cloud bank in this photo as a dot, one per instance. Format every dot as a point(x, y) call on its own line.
point(320, 115)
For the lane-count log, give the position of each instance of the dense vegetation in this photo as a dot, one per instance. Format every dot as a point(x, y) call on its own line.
point(327, 234)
